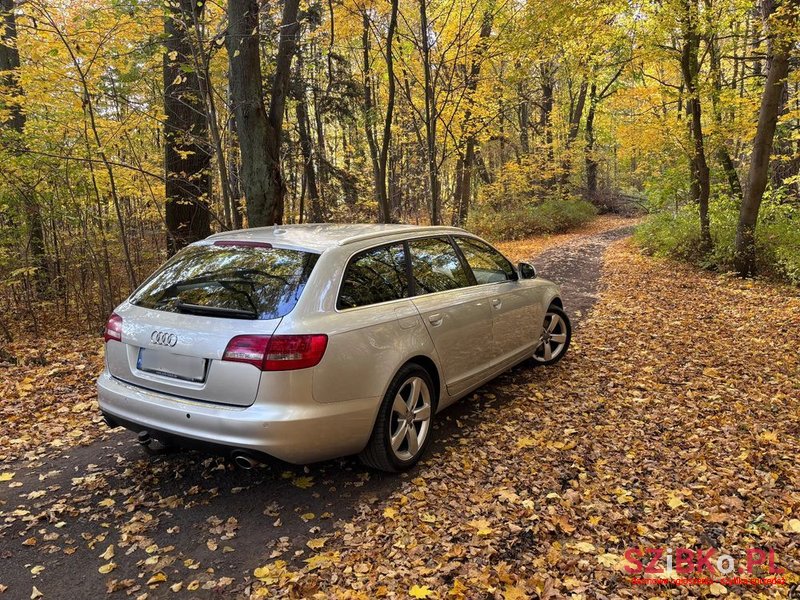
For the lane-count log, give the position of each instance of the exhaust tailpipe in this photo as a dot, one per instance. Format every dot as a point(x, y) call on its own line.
point(244, 461)
point(110, 423)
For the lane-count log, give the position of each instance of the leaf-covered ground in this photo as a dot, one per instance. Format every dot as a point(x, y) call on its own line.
point(47, 393)
point(674, 423)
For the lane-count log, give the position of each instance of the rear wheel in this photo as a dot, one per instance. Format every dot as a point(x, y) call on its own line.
point(555, 337)
point(403, 427)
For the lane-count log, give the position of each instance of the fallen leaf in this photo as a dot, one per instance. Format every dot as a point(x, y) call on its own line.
point(718, 589)
point(107, 568)
point(420, 592)
point(157, 578)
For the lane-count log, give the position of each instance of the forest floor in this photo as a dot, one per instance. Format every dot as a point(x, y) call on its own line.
point(673, 422)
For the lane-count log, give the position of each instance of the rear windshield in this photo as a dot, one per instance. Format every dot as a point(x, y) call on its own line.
point(229, 281)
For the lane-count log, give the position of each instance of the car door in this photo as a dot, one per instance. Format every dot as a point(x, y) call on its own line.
point(516, 317)
point(455, 312)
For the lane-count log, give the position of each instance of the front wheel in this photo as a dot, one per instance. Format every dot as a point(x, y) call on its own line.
point(403, 428)
point(556, 334)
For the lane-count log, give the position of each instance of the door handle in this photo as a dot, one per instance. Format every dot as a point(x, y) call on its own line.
point(497, 303)
point(435, 319)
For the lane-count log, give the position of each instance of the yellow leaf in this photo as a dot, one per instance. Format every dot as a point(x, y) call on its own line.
point(37, 569)
point(176, 587)
point(6, 476)
point(390, 513)
point(212, 545)
point(303, 482)
point(107, 568)
point(108, 502)
point(307, 517)
point(157, 578)
point(525, 442)
point(674, 502)
point(515, 593)
point(193, 586)
point(316, 543)
point(608, 559)
point(482, 525)
point(427, 518)
point(109, 553)
point(31, 541)
point(35, 594)
point(718, 589)
point(271, 573)
point(585, 547)
point(420, 592)
point(768, 436)
point(794, 525)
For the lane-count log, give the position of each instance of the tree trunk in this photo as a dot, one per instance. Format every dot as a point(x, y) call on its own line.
point(745, 255)
point(388, 209)
point(575, 115)
point(14, 126)
point(379, 180)
point(306, 146)
point(465, 163)
point(591, 162)
point(431, 117)
point(690, 69)
point(260, 132)
point(187, 156)
point(716, 89)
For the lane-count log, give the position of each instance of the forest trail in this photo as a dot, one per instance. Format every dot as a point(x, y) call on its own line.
point(195, 518)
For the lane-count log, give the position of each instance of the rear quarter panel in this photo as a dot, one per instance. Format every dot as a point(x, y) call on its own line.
point(366, 345)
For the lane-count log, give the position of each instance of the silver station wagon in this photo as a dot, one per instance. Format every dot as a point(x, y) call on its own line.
point(308, 342)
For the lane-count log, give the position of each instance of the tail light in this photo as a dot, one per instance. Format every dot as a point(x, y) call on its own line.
point(277, 352)
point(113, 328)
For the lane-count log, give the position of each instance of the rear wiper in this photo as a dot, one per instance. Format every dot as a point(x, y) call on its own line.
point(221, 311)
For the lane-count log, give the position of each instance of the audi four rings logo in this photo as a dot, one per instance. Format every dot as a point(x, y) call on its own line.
point(163, 338)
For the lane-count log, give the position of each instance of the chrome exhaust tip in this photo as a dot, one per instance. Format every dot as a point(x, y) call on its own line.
point(243, 461)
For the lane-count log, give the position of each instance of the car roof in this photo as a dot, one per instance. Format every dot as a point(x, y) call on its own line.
point(319, 237)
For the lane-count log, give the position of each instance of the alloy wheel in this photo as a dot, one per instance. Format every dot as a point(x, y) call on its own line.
point(553, 339)
point(410, 418)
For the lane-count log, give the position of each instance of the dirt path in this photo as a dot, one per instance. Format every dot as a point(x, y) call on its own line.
point(193, 518)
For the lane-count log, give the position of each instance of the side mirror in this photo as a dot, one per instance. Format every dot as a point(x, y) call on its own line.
point(526, 271)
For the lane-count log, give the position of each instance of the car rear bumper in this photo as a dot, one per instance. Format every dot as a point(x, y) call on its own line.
point(296, 430)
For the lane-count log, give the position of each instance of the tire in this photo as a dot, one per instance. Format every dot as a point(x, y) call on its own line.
point(410, 402)
point(555, 338)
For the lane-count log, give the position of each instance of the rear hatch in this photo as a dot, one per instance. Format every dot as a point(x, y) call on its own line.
point(176, 326)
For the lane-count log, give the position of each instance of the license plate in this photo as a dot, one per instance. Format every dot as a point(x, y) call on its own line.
point(177, 366)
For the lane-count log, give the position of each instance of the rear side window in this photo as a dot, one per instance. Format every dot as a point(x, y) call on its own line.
point(487, 264)
point(436, 266)
point(377, 275)
point(229, 281)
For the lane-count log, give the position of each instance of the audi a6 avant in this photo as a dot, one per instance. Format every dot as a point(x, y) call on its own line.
point(308, 342)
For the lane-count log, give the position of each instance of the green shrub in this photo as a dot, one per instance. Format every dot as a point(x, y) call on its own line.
point(676, 234)
point(549, 216)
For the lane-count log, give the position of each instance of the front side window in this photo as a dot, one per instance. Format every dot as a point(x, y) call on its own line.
point(487, 264)
point(377, 275)
point(436, 266)
point(225, 280)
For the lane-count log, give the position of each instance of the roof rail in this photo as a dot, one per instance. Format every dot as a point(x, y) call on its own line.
point(410, 229)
